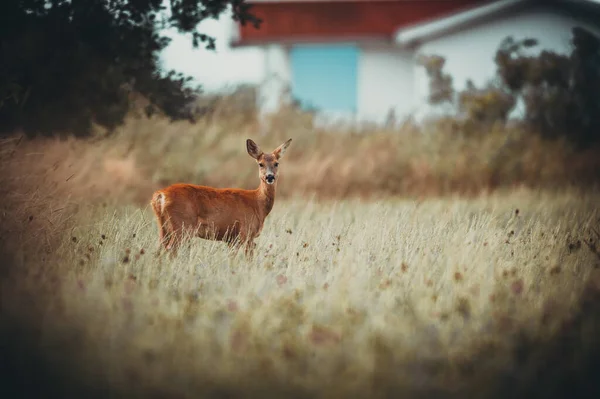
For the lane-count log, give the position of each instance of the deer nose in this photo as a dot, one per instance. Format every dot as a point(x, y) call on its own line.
point(270, 178)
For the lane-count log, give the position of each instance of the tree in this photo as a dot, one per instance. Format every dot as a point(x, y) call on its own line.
point(560, 92)
point(66, 64)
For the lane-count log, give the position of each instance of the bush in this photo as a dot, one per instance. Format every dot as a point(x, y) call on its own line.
point(440, 83)
point(480, 108)
point(559, 91)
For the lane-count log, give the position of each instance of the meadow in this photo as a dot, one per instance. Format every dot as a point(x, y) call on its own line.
point(393, 263)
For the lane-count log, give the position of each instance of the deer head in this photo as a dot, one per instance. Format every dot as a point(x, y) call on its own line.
point(268, 164)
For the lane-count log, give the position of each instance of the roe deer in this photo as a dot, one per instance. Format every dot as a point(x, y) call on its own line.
point(233, 215)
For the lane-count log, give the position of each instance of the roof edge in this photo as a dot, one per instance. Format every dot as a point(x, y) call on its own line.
point(413, 35)
point(310, 1)
point(365, 40)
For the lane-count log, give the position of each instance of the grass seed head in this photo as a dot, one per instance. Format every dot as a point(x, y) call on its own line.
point(517, 287)
point(281, 279)
point(463, 307)
point(232, 306)
point(555, 270)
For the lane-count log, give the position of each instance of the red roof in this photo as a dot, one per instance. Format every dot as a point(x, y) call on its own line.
point(290, 21)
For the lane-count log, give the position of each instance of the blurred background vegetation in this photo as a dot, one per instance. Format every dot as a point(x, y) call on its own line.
point(557, 91)
point(65, 65)
point(535, 124)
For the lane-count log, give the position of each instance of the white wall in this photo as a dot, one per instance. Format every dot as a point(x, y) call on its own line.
point(216, 70)
point(385, 81)
point(470, 54)
point(276, 78)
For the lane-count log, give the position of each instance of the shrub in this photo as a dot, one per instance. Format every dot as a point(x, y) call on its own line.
point(559, 92)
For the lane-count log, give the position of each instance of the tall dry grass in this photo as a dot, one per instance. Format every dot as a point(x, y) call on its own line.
point(363, 297)
point(329, 163)
point(343, 299)
point(146, 154)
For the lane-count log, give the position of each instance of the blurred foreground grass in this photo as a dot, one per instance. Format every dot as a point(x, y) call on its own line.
point(344, 298)
point(368, 297)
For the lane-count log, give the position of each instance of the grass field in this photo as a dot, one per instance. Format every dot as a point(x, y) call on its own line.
point(339, 295)
point(428, 296)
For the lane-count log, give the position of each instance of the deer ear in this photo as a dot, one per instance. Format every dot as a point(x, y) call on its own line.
point(281, 149)
point(253, 149)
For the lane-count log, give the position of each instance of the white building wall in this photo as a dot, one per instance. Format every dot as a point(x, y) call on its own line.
point(385, 82)
point(276, 79)
point(470, 54)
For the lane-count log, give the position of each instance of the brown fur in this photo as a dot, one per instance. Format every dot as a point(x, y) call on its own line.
point(233, 215)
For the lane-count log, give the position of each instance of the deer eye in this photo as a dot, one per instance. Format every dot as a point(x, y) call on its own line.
point(276, 164)
point(261, 165)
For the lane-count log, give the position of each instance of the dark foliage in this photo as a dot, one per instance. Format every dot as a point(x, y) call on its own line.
point(440, 83)
point(559, 92)
point(65, 64)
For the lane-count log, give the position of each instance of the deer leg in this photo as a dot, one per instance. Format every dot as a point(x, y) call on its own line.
point(234, 242)
point(162, 222)
point(165, 236)
point(175, 235)
point(250, 246)
point(234, 246)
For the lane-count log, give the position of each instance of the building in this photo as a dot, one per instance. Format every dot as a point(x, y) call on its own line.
point(358, 58)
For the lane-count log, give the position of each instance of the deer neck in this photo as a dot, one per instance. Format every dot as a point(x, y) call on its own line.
point(265, 195)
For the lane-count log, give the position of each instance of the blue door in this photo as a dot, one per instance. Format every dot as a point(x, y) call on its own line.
point(325, 76)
